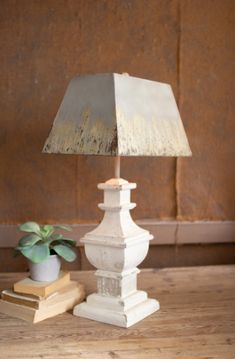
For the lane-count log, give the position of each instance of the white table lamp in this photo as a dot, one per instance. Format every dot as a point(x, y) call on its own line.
point(117, 115)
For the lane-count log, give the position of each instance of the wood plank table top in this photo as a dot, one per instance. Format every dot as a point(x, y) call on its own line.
point(196, 321)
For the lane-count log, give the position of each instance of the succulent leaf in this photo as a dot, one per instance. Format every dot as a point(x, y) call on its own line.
point(48, 230)
point(70, 241)
point(30, 227)
point(63, 226)
point(57, 236)
point(65, 252)
point(37, 253)
point(29, 240)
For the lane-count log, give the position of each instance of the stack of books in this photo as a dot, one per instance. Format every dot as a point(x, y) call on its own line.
point(35, 301)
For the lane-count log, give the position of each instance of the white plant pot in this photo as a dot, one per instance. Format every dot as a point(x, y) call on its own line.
point(46, 271)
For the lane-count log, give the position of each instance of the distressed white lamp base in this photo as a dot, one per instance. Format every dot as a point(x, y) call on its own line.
point(116, 247)
point(121, 312)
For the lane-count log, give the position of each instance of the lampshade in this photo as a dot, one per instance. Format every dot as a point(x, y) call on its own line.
point(117, 114)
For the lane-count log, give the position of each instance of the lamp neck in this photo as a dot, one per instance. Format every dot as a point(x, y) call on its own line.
point(117, 161)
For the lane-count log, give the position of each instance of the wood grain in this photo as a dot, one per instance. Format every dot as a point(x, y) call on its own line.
point(196, 321)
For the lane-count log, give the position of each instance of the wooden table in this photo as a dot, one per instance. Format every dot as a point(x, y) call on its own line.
point(196, 321)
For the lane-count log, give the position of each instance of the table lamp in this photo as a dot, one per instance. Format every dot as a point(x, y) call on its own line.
point(117, 115)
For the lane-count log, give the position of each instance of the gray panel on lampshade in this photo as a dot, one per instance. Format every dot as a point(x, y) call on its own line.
point(114, 114)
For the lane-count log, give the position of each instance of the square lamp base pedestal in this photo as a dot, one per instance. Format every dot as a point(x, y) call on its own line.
point(116, 247)
point(122, 312)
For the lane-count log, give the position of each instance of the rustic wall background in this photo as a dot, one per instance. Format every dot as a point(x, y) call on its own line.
point(187, 43)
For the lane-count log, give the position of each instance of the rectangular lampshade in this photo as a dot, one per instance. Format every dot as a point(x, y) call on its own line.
point(117, 114)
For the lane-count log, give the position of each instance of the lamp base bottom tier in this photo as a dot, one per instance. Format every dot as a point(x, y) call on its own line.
point(122, 312)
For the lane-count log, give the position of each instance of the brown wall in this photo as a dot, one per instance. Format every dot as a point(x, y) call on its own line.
point(188, 44)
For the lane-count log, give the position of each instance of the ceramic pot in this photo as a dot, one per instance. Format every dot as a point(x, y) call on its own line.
point(46, 271)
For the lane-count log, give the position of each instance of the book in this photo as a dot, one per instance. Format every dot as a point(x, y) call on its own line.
point(64, 301)
point(41, 289)
point(35, 302)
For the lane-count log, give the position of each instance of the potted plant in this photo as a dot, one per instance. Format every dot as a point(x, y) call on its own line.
point(43, 249)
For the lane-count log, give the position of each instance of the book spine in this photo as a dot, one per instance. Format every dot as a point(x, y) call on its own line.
point(18, 311)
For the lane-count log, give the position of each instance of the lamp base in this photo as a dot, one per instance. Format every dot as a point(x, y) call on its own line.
point(122, 312)
point(116, 247)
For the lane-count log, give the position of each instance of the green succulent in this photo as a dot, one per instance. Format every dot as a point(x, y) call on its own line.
point(43, 241)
